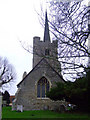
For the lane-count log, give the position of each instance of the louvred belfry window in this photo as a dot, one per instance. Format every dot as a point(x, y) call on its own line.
point(47, 52)
point(42, 87)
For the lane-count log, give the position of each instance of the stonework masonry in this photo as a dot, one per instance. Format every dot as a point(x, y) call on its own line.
point(46, 72)
point(27, 89)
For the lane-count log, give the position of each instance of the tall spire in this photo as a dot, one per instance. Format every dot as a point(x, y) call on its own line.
point(46, 30)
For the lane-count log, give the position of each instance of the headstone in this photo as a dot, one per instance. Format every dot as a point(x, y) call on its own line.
point(20, 108)
point(13, 105)
point(4, 103)
point(46, 107)
point(62, 108)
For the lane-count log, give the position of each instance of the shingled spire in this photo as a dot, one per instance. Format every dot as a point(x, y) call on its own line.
point(46, 30)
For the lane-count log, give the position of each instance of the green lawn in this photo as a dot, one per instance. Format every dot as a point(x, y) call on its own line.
point(8, 113)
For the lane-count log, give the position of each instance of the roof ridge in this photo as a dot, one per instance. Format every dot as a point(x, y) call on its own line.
point(36, 66)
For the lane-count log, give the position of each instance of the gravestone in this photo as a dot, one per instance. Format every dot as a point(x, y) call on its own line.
point(20, 108)
point(13, 105)
point(4, 103)
point(62, 108)
point(45, 107)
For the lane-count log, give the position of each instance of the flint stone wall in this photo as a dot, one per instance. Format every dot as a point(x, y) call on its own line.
point(27, 88)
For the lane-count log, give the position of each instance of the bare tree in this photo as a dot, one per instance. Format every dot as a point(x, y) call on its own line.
point(7, 76)
point(7, 72)
point(70, 27)
point(69, 24)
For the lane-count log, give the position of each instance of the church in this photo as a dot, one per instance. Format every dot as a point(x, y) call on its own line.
point(46, 71)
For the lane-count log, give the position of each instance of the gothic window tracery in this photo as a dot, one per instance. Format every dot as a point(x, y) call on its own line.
point(42, 87)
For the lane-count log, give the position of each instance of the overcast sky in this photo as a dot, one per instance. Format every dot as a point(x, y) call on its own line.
point(19, 22)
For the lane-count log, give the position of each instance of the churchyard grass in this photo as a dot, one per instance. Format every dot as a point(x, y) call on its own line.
point(8, 113)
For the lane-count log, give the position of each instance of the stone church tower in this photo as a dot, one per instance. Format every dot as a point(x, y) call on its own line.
point(46, 70)
point(46, 49)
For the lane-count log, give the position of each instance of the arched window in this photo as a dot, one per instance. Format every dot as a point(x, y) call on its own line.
point(42, 87)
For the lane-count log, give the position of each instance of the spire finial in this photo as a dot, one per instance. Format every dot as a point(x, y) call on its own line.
point(46, 29)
